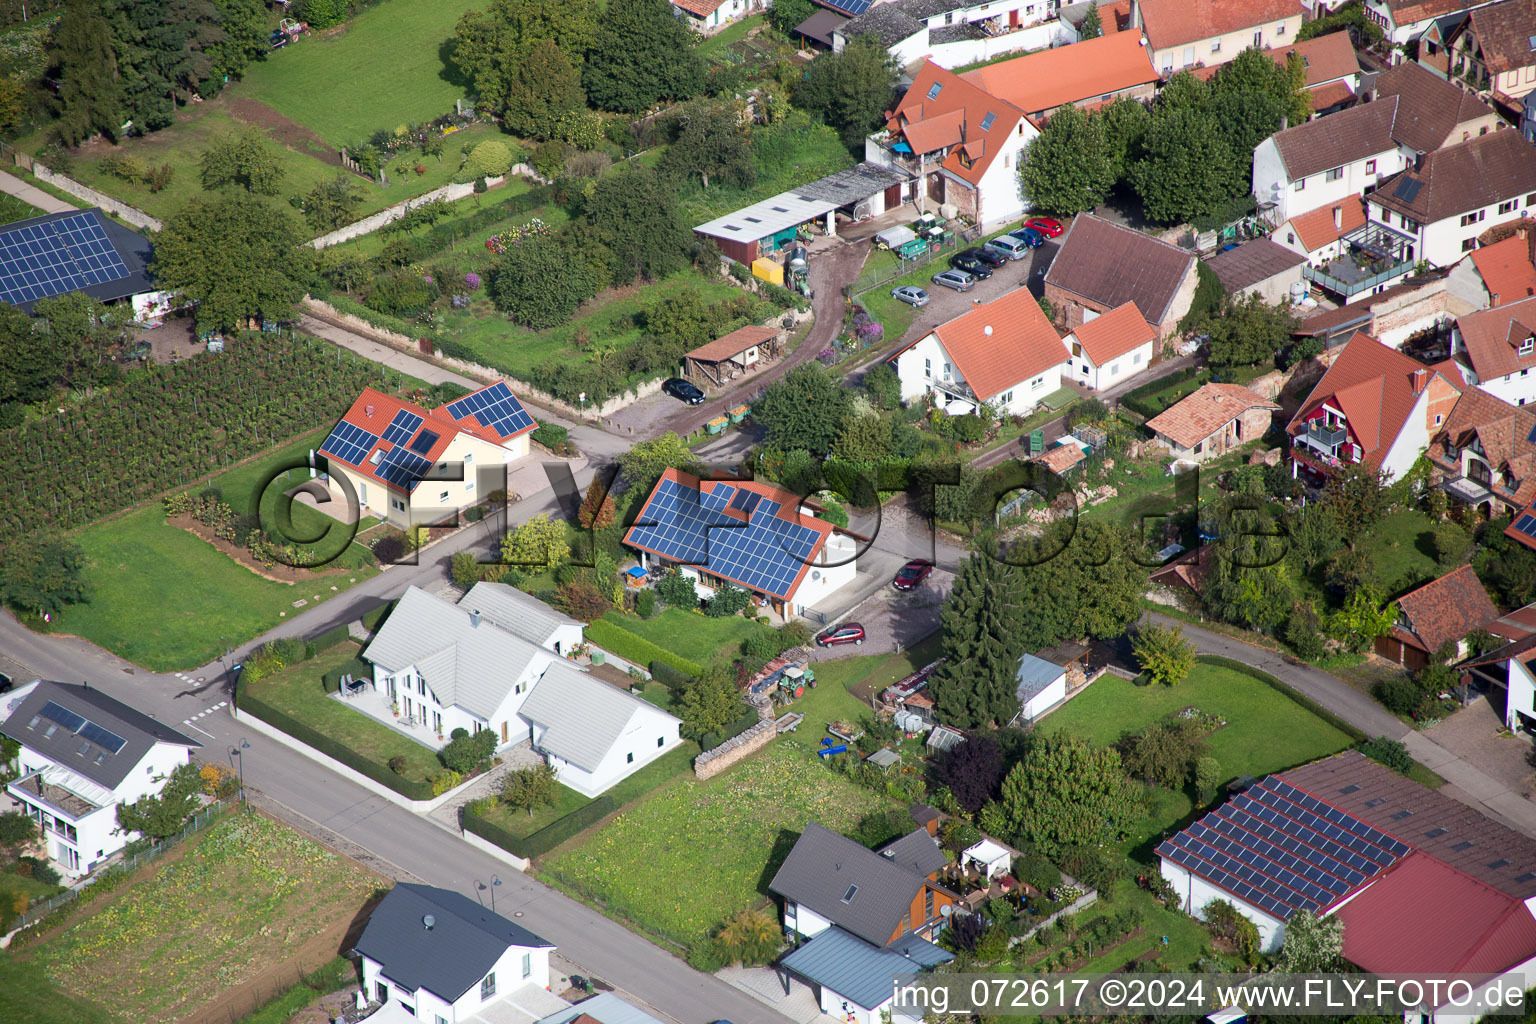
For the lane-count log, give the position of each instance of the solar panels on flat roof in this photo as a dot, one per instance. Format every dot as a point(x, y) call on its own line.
point(56, 256)
point(402, 427)
point(349, 443)
point(423, 444)
point(495, 407)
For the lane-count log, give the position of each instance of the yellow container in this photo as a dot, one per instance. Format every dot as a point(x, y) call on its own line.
point(768, 270)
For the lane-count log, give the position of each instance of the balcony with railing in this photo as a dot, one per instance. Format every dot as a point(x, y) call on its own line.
point(894, 151)
point(1323, 439)
point(1375, 256)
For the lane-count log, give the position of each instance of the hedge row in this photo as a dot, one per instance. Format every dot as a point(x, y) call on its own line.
point(357, 668)
point(673, 679)
point(546, 838)
point(1264, 677)
point(374, 619)
point(1139, 400)
point(330, 638)
point(346, 755)
point(636, 649)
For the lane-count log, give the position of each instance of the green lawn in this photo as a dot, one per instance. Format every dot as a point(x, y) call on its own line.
point(385, 67)
point(693, 853)
point(1266, 731)
point(13, 209)
point(247, 895)
point(695, 637)
point(711, 46)
point(299, 692)
point(202, 600)
point(665, 768)
point(841, 684)
point(1399, 544)
point(26, 994)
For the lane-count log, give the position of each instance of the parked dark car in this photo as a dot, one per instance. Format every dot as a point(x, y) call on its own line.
point(1029, 236)
point(911, 575)
point(683, 391)
point(971, 265)
point(847, 633)
point(991, 257)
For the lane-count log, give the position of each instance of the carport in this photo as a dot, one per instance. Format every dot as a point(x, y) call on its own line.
point(735, 354)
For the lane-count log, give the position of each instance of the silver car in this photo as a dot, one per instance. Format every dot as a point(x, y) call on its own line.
point(911, 294)
point(959, 280)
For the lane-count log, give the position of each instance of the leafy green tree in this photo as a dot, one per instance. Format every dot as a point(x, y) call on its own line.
point(1164, 654)
point(1255, 73)
point(1186, 166)
point(711, 703)
point(1066, 793)
point(1311, 944)
point(1312, 535)
point(544, 87)
point(1164, 753)
point(710, 143)
point(82, 333)
point(333, 202)
point(1450, 544)
point(43, 574)
point(1506, 567)
point(1364, 617)
point(851, 90)
point(17, 829)
point(1092, 27)
point(81, 58)
point(976, 682)
point(864, 440)
point(642, 223)
point(162, 816)
point(1356, 499)
point(536, 546)
point(788, 14)
point(235, 256)
point(1207, 778)
point(643, 462)
point(243, 38)
point(1246, 119)
point(677, 590)
point(882, 385)
point(463, 754)
point(1069, 168)
point(1254, 597)
point(1247, 331)
point(541, 282)
point(528, 789)
point(642, 53)
point(803, 409)
point(29, 368)
point(490, 47)
point(1185, 90)
point(1124, 122)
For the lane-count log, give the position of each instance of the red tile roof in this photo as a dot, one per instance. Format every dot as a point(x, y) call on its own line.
point(1504, 32)
point(1324, 96)
point(698, 8)
point(1482, 171)
point(1069, 74)
point(1447, 609)
point(1109, 265)
point(1121, 330)
point(1177, 22)
point(1316, 228)
point(1425, 917)
point(1493, 337)
point(1197, 417)
point(1326, 58)
point(1429, 108)
point(1506, 434)
point(1000, 343)
point(1507, 269)
point(957, 111)
point(1373, 386)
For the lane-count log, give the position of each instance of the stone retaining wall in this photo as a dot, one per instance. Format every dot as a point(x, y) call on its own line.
point(716, 760)
point(133, 215)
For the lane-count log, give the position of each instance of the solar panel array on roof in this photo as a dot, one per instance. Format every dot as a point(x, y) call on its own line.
point(55, 257)
point(402, 427)
point(349, 443)
point(65, 717)
point(1407, 189)
point(745, 500)
point(423, 444)
point(402, 467)
point(765, 553)
point(1526, 524)
point(82, 726)
point(102, 737)
point(495, 407)
point(1283, 850)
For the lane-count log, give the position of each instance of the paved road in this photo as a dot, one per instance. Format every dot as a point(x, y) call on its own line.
point(32, 195)
point(1464, 781)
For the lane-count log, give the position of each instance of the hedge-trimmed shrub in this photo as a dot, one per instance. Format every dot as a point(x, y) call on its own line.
point(330, 638)
point(374, 619)
point(357, 668)
point(546, 838)
point(634, 648)
point(673, 679)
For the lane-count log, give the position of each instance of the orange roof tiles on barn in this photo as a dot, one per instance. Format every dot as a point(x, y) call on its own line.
point(1083, 71)
point(1324, 96)
point(1117, 332)
point(1197, 417)
point(1177, 22)
point(1000, 343)
point(1507, 269)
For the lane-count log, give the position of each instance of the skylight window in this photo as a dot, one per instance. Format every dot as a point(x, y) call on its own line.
point(852, 891)
point(35, 719)
point(1500, 863)
point(1400, 815)
point(935, 89)
point(1350, 789)
point(986, 122)
point(1435, 833)
point(1465, 844)
point(1376, 802)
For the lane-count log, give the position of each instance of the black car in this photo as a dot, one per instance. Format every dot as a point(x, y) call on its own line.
point(991, 257)
point(971, 265)
point(683, 391)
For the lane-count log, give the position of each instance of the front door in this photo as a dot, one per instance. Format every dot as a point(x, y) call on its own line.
point(503, 732)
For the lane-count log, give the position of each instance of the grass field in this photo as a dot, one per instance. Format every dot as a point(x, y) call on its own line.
point(653, 775)
point(299, 692)
point(383, 68)
point(248, 895)
point(698, 638)
point(203, 600)
point(13, 209)
point(693, 853)
point(1266, 730)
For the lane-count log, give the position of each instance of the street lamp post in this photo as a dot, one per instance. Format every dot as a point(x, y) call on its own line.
point(239, 752)
point(482, 887)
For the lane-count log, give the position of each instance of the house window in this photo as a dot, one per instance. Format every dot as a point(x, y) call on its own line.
point(928, 903)
point(397, 504)
point(928, 368)
point(1114, 369)
point(1509, 207)
point(1216, 46)
point(443, 496)
point(488, 986)
point(629, 758)
point(934, 90)
point(1530, 200)
point(1468, 219)
point(382, 991)
point(469, 458)
point(527, 964)
point(1290, 237)
point(1301, 184)
point(1468, 244)
point(1334, 175)
point(661, 741)
point(848, 896)
point(1136, 359)
point(1280, 29)
point(1526, 346)
point(1370, 167)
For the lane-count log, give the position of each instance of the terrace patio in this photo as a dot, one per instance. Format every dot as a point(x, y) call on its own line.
point(1376, 255)
point(411, 721)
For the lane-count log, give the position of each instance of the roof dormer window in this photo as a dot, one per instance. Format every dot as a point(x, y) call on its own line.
point(1528, 345)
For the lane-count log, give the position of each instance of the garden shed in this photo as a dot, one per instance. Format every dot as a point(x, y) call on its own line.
point(735, 354)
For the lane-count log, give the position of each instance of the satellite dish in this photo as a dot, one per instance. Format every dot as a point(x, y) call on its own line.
point(429, 921)
point(815, 574)
point(946, 910)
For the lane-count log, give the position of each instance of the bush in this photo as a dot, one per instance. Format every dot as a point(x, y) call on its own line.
point(465, 753)
point(1389, 752)
point(551, 435)
point(673, 679)
point(645, 603)
point(678, 591)
point(357, 668)
point(330, 638)
point(760, 646)
point(1399, 696)
point(490, 159)
point(390, 548)
point(40, 869)
point(397, 764)
point(706, 957)
point(729, 600)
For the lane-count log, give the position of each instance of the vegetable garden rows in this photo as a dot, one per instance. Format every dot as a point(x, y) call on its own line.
point(168, 425)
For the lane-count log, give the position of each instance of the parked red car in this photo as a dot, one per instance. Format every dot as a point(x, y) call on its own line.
point(847, 633)
point(911, 575)
point(1045, 225)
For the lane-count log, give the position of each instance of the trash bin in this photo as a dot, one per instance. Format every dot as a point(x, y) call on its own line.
point(599, 657)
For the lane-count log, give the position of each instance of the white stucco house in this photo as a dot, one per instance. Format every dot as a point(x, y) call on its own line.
point(432, 955)
point(709, 16)
point(1110, 348)
point(764, 539)
point(956, 32)
point(1002, 353)
point(82, 755)
point(497, 660)
point(1495, 350)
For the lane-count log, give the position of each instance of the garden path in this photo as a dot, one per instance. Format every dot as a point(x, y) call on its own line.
point(514, 758)
point(32, 195)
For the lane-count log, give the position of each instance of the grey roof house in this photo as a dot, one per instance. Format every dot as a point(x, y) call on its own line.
point(1041, 685)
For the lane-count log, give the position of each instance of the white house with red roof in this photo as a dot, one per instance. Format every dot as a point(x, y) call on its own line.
point(962, 143)
point(761, 538)
point(1495, 349)
point(385, 448)
point(1374, 406)
point(1004, 353)
point(1107, 349)
point(707, 16)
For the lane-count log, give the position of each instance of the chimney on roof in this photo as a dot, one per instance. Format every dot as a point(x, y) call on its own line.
point(1338, 218)
point(1135, 14)
point(1420, 378)
point(474, 618)
point(1418, 162)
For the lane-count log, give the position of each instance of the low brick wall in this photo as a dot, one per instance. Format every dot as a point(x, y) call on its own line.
point(714, 761)
point(132, 214)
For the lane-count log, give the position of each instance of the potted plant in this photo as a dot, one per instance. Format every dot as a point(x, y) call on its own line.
point(395, 708)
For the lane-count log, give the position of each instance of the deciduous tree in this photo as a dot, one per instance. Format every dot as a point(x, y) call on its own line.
point(643, 462)
point(642, 53)
point(1164, 753)
point(1163, 653)
point(972, 771)
point(528, 789)
point(541, 282)
point(710, 703)
point(1186, 167)
point(537, 546)
point(234, 255)
point(43, 574)
point(491, 46)
point(17, 829)
point(1066, 793)
point(850, 90)
point(1070, 167)
point(710, 142)
point(803, 409)
point(1311, 944)
point(1247, 331)
point(332, 203)
point(641, 222)
point(162, 816)
point(1356, 498)
point(596, 512)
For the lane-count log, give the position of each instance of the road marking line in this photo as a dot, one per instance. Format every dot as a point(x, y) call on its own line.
point(205, 732)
